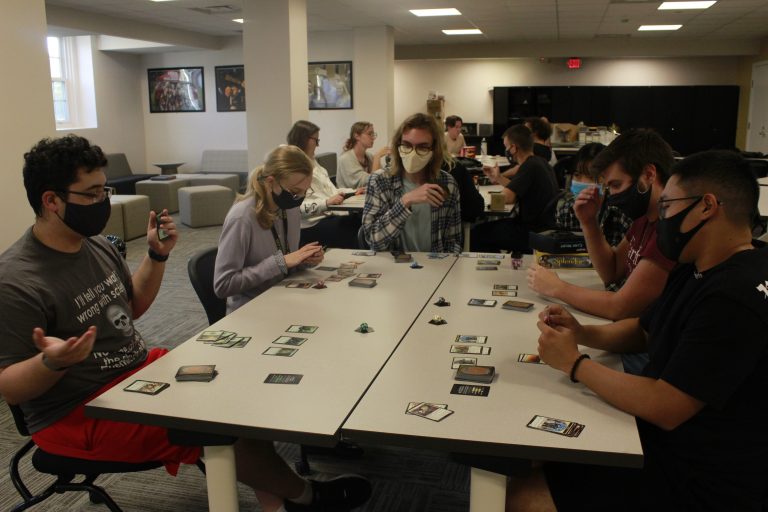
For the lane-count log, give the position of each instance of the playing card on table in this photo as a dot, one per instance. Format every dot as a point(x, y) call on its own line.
point(556, 426)
point(280, 351)
point(470, 390)
point(505, 287)
point(530, 358)
point(470, 349)
point(290, 340)
point(209, 335)
point(458, 361)
point(470, 338)
point(283, 378)
point(432, 412)
point(503, 293)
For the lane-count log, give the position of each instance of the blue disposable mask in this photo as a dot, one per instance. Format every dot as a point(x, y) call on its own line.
point(578, 186)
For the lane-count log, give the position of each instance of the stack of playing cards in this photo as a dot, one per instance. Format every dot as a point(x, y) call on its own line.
point(197, 372)
point(562, 427)
point(223, 339)
point(475, 373)
point(504, 290)
point(363, 282)
point(434, 412)
point(517, 305)
point(344, 271)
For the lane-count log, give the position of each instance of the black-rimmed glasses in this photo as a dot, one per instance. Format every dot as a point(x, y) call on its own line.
point(663, 203)
point(95, 197)
point(421, 149)
point(295, 196)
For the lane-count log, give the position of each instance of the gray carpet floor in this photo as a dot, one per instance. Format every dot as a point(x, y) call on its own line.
point(404, 480)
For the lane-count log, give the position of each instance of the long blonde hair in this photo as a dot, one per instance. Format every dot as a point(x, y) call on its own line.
point(281, 163)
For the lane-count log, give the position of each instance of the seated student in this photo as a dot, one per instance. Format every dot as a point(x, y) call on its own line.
point(68, 303)
point(414, 206)
point(542, 132)
point(697, 414)
point(355, 163)
point(533, 188)
point(634, 168)
point(454, 139)
point(332, 229)
point(259, 243)
point(613, 222)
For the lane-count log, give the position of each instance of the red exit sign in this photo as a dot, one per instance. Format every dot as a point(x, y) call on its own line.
point(574, 63)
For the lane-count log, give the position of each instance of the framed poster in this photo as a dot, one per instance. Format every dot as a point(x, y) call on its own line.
point(176, 90)
point(230, 88)
point(330, 85)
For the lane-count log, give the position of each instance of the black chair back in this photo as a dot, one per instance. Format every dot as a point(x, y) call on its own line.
point(759, 168)
point(200, 269)
point(18, 419)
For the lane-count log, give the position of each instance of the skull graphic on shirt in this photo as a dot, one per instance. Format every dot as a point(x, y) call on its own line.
point(120, 320)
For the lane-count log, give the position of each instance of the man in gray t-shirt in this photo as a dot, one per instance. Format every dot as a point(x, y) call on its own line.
point(68, 302)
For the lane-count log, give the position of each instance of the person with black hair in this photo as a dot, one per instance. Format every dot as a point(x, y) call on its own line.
point(69, 302)
point(613, 222)
point(698, 410)
point(533, 188)
point(454, 139)
point(634, 169)
point(542, 132)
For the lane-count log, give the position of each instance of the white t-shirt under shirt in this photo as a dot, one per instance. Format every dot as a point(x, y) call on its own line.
point(416, 235)
point(454, 146)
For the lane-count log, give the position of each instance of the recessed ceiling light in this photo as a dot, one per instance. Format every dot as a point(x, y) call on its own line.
point(686, 5)
point(162, 0)
point(462, 32)
point(238, 20)
point(436, 12)
point(658, 27)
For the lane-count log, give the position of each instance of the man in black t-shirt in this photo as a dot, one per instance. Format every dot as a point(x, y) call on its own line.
point(533, 188)
point(703, 397)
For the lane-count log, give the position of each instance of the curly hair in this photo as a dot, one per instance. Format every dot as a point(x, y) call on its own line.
point(53, 164)
point(357, 129)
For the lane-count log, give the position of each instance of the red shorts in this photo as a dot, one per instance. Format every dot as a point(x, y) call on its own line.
point(77, 436)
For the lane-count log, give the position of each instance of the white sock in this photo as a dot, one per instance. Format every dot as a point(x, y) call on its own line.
point(306, 496)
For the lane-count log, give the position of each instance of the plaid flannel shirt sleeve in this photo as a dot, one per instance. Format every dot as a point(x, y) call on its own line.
point(565, 216)
point(384, 215)
point(446, 225)
point(615, 225)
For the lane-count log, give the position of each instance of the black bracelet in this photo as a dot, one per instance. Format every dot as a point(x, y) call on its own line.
point(576, 364)
point(47, 364)
point(157, 257)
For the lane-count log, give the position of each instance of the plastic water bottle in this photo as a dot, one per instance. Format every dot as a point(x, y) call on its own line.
point(483, 147)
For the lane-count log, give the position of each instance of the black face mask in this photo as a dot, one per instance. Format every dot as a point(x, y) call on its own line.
point(87, 220)
point(510, 158)
point(285, 200)
point(631, 201)
point(669, 239)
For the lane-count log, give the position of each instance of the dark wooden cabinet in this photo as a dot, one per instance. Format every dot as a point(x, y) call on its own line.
point(690, 118)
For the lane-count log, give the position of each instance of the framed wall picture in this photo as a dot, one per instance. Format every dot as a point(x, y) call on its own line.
point(176, 90)
point(230, 88)
point(330, 85)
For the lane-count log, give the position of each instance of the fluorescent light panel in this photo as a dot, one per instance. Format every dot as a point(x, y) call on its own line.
point(238, 20)
point(436, 12)
point(686, 5)
point(645, 28)
point(462, 32)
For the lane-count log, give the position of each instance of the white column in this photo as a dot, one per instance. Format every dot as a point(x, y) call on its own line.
point(221, 478)
point(275, 59)
point(374, 80)
point(26, 106)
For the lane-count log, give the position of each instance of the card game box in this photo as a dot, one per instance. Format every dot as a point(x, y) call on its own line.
point(557, 242)
point(475, 373)
point(196, 372)
point(563, 261)
point(363, 282)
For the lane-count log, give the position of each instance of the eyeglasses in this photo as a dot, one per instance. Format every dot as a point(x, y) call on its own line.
point(663, 203)
point(295, 196)
point(316, 139)
point(372, 134)
point(421, 149)
point(96, 197)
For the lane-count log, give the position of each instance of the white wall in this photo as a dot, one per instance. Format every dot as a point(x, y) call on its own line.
point(120, 123)
point(182, 137)
point(466, 84)
point(26, 107)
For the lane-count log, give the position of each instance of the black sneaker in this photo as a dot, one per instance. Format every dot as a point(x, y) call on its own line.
point(339, 494)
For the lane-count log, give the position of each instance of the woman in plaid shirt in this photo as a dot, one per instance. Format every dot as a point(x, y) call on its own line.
point(414, 206)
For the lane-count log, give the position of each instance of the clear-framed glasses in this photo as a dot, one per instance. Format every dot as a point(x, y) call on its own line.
point(95, 197)
point(421, 149)
point(296, 196)
point(372, 134)
point(663, 204)
point(316, 139)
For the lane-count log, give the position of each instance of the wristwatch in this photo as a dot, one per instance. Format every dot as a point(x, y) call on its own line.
point(47, 364)
point(157, 257)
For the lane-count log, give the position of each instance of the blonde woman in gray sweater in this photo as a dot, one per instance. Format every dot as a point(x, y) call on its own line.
point(259, 243)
